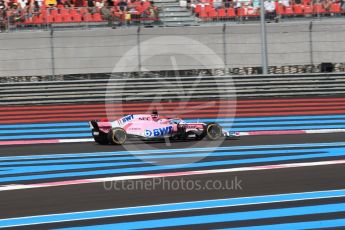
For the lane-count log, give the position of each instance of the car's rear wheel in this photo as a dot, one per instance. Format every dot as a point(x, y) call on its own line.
point(99, 137)
point(117, 136)
point(213, 131)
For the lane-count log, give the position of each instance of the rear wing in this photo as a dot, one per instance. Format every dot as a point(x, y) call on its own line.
point(94, 125)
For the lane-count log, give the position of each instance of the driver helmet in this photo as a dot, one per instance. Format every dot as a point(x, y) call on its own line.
point(154, 114)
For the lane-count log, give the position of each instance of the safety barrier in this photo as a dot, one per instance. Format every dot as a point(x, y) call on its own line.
point(149, 88)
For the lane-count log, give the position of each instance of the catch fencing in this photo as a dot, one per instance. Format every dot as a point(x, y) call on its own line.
point(105, 50)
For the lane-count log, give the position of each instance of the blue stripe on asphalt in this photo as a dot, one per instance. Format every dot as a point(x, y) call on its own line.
point(317, 224)
point(162, 156)
point(302, 127)
point(285, 147)
point(280, 123)
point(247, 119)
point(50, 130)
point(331, 153)
point(43, 136)
point(34, 167)
point(42, 125)
point(52, 168)
point(224, 217)
point(86, 215)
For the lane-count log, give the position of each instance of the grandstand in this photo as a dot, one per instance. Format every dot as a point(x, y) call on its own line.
point(245, 10)
point(49, 12)
point(37, 13)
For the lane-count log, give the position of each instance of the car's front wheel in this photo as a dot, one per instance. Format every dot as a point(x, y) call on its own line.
point(213, 131)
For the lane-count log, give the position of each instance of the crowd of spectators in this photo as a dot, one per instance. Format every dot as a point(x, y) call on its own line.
point(128, 11)
point(23, 11)
point(272, 7)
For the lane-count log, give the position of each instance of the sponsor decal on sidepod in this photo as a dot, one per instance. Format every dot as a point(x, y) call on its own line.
point(125, 119)
point(158, 132)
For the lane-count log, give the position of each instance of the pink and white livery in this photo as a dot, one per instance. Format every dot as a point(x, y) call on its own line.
point(150, 126)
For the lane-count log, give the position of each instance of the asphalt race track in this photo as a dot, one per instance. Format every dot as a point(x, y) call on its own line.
point(275, 182)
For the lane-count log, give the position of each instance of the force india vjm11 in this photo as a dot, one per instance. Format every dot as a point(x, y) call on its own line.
point(150, 127)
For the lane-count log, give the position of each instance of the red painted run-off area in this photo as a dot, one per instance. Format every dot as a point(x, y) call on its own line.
point(193, 109)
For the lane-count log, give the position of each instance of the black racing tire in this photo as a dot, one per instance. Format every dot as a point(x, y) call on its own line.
point(213, 131)
point(101, 138)
point(117, 136)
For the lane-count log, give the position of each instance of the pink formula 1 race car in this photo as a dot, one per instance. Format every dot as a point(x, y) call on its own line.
point(150, 127)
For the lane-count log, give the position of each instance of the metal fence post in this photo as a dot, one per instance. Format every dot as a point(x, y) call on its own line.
point(139, 49)
point(162, 16)
point(264, 59)
point(52, 51)
point(225, 52)
point(311, 52)
point(8, 23)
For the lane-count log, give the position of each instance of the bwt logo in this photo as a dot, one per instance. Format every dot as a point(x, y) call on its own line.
point(127, 118)
point(158, 132)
